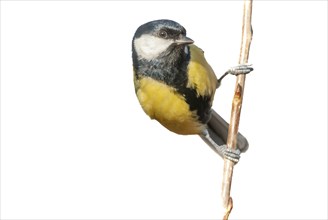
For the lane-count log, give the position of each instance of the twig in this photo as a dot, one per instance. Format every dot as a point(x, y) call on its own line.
point(236, 107)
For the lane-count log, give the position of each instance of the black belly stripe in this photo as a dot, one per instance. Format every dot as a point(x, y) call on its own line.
point(200, 104)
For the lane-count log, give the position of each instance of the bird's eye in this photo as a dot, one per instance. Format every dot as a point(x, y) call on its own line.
point(163, 34)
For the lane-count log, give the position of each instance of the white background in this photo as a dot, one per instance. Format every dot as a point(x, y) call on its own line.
point(76, 144)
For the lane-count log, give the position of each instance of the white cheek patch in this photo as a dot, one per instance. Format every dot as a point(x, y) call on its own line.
point(150, 47)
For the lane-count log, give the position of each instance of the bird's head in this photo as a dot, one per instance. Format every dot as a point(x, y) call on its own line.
point(159, 38)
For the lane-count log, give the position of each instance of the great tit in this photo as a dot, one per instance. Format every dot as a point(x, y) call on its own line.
point(175, 85)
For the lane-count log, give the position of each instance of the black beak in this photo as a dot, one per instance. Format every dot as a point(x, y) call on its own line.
point(183, 40)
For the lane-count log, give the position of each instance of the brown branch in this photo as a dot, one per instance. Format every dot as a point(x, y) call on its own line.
point(236, 107)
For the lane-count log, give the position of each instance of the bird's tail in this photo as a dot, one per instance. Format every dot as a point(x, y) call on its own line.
point(217, 129)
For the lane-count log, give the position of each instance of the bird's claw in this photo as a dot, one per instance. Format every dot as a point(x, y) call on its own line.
point(231, 154)
point(241, 69)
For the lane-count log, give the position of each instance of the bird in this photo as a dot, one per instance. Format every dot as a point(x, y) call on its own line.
point(176, 86)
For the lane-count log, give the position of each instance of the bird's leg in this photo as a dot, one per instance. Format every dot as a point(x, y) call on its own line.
point(222, 150)
point(236, 70)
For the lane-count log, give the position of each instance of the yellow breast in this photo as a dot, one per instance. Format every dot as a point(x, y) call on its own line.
point(200, 74)
point(164, 104)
